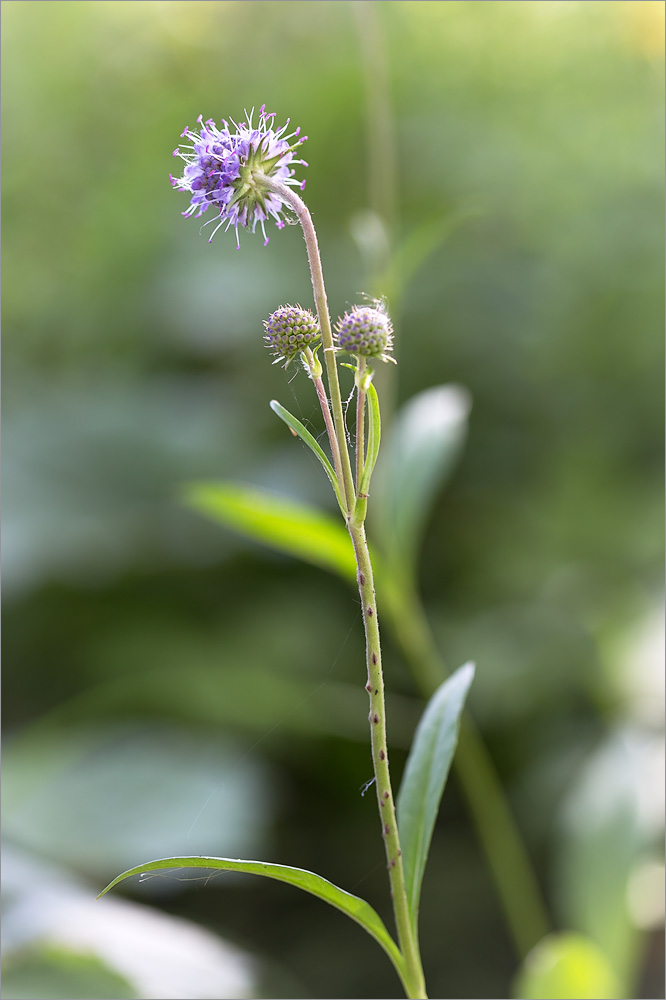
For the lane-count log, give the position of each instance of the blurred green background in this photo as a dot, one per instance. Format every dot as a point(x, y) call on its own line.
point(173, 688)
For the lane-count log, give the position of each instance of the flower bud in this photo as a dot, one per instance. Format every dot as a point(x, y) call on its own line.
point(365, 330)
point(290, 330)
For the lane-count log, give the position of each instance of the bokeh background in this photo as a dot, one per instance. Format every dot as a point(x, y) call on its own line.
point(496, 170)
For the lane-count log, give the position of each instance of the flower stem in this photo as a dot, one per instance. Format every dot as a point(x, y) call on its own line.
point(407, 937)
point(314, 368)
point(414, 979)
point(300, 208)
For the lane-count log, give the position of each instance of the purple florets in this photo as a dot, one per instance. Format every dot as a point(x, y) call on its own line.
point(290, 330)
point(367, 331)
point(227, 168)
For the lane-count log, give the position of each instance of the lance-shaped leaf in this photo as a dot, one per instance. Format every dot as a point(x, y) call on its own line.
point(374, 436)
point(352, 906)
point(279, 521)
point(304, 434)
point(425, 775)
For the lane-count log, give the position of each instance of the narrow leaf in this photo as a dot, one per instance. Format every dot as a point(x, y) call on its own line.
point(425, 440)
point(425, 775)
point(352, 906)
point(279, 521)
point(374, 435)
point(304, 434)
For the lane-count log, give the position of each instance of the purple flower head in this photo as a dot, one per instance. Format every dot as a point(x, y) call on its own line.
point(366, 330)
point(226, 169)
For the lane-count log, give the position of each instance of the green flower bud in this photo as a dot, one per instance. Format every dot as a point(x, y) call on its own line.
point(367, 331)
point(290, 330)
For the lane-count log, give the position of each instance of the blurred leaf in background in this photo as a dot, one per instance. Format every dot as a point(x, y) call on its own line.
point(529, 272)
point(60, 942)
point(566, 966)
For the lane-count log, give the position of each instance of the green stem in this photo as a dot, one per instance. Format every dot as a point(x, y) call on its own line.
point(300, 208)
point(414, 979)
point(315, 371)
point(498, 833)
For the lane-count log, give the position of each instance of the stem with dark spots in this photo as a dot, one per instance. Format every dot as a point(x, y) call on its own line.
point(375, 688)
point(498, 833)
point(407, 937)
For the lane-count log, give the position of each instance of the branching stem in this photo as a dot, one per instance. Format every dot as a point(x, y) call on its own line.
point(303, 213)
point(414, 981)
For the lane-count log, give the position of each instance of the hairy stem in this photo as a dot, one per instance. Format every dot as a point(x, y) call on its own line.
point(407, 939)
point(375, 688)
point(315, 371)
point(300, 208)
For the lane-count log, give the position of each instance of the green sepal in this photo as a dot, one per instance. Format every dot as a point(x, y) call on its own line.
point(311, 360)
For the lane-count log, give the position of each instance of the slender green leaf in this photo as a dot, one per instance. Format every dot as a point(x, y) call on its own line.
point(353, 906)
point(304, 434)
point(374, 436)
point(425, 775)
point(567, 966)
point(281, 522)
point(425, 440)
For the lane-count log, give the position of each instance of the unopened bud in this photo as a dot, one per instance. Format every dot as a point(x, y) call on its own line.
point(290, 330)
point(367, 331)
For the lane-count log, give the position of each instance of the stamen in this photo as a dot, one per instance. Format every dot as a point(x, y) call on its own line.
point(220, 223)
